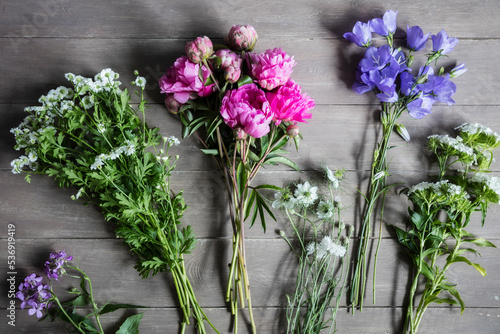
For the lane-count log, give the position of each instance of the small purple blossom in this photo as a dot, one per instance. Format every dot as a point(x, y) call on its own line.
point(35, 295)
point(54, 265)
point(408, 84)
point(420, 107)
point(442, 43)
point(415, 38)
point(375, 58)
point(361, 34)
point(386, 25)
point(441, 88)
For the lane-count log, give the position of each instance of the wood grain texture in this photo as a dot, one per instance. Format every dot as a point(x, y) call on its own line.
point(41, 40)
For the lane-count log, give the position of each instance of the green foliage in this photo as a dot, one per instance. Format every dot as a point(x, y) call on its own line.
point(440, 211)
point(73, 311)
point(92, 138)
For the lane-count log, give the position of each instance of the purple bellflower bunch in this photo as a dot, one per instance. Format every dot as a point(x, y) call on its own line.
point(387, 71)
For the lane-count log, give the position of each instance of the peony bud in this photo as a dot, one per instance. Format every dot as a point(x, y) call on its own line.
point(232, 74)
point(172, 104)
point(242, 38)
point(199, 49)
point(227, 58)
point(292, 130)
point(239, 133)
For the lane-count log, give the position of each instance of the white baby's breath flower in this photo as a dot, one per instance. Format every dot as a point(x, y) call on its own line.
point(305, 194)
point(171, 140)
point(101, 128)
point(129, 147)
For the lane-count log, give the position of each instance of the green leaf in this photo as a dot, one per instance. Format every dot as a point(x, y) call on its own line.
point(241, 178)
point(454, 293)
point(244, 80)
point(210, 151)
point(269, 186)
point(130, 325)
point(283, 160)
point(437, 300)
point(481, 242)
point(113, 307)
point(480, 269)
point(427, 271)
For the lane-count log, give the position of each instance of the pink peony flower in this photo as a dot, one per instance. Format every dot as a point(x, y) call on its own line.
point(288, 104)
point(199, 49)
point(242, 38)
point(272, 68)
point(247, 108)
point(182, 79)
point(228, 58)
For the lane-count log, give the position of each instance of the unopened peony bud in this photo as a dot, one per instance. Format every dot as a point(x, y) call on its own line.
point(228, 58)
point(172, 104)
point(292, 130)
point(242, 38)
point(232, 74)
point(239, 133)
point(199, 49)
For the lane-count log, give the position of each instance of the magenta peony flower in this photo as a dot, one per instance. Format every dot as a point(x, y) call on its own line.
point(199, 49)
point(247, 108)
point(182, 79)
point(288, 104)
point(272, 68)
point(242, 38)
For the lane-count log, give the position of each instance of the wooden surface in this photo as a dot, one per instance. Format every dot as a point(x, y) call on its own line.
point(41, 40)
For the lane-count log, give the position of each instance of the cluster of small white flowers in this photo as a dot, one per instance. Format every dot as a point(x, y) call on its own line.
point(106, 80)
point(422, 186)
point(127, 149)
point(101, 128)
point(474, 128)
point(171, 140)
point(441, 188)
point(30, 161)
point(326, 246)
point(305, 194)
point(492, 182)
point(325, 210)
point(455, 143)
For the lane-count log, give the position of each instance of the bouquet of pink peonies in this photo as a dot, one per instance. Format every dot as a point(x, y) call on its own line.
point(244, 107)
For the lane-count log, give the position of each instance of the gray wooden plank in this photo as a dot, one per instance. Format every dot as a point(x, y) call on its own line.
point(270, 263)
point(325, 68)
point(370, 321)
point(336, 136)
point(45, 205)
point(187, 19)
